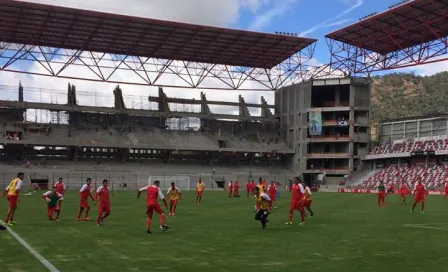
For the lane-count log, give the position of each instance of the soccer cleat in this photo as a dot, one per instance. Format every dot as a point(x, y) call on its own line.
point(164, 228)
point(78, 219)
point(9, 224)
point(13, 222)
point(57, 219)
point(86, 219)
point(302, 223)
point(148, 231)
point(288, 223)
point(422, 212)
point(411, 211)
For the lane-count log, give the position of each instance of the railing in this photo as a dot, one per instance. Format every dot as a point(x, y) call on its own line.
point(328, 155)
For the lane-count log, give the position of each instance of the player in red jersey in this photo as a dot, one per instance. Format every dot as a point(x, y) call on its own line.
point(446, 191)
point(153, 192)
point(200, 187)
point(103, 196)
point(248, 188)
point(272, 193)
point(230, 188)
point(236, 189)
point(60, 188)
point(296, 201)
point(381, 194)
point(403, 192)
point(419, 195)
point(12, 192)
point(175, 195)
point(53, 199)
point(84, 195)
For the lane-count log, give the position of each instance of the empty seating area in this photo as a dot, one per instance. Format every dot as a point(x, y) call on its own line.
point(411, 146)
point(434, 177)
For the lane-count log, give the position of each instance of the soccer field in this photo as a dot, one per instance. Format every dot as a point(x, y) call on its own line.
point(347, 233)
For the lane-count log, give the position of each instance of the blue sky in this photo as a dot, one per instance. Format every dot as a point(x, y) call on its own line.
point(312, 18)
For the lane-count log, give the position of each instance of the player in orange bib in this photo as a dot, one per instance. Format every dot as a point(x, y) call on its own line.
point(12, 193)
point(200, 187)
point(261, 185)
point(103, 196)
point(307, 199)
point(175, 195)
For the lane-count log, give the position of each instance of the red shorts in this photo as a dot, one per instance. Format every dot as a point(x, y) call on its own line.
point(273, 197)
point(84, 203)
point(296, 206)
point(50, 210)
point(403, 195)
point(199, 193)
point(419, 199)
point(150, 208)
point(307, 203)
point(446, 192)
point(104, 208)
point(174, 201)
point(13, 200)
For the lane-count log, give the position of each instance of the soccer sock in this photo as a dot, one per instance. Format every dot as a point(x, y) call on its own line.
point(105, 216)
point(413, 206)
point(58, 212)
point(174, 208)
point(87, 213)
point(162, 219)
point(11, 217)
point(80, 212)
point(290, 217)
point(423, 206)
point(148, 223)
point(98, 221)
point(302, 215)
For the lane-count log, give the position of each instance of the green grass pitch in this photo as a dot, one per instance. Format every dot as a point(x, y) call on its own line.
point(348, 233)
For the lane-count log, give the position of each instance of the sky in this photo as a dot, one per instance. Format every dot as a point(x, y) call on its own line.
point(309, 18)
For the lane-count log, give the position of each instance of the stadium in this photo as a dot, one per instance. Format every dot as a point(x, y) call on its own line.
point(311, 123)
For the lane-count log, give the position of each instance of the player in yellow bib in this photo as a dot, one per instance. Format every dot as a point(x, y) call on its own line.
point(262, 207)
point(175, 195)
point(200, 187)
point(307, 199)
point(12, 192)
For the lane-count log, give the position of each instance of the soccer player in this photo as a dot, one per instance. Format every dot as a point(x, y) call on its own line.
point(84, 195)
point(446, 191)
point(248, 188)
point(419, 195)
point(102, 195)
point(403, 192)
point(272, 193)
point(152, 194)
point(175, 195)
point(307, 200)
point(60, 188)
point(263, 204)
point(252, 188)
point(236, 189)
point(296, 201)
point(230, 188)
point(381, 194)
point(261, 186)
point(53, 199)
point(12, 193)
point(200, 187)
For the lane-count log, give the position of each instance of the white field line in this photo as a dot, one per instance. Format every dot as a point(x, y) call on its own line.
point(423, 226)
point(33, 252)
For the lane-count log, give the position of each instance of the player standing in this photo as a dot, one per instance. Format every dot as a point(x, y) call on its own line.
point(248, 188)
point(230, 189)
point(307, 200)
point(200, 187)
point(296, 201)
point(60, 188)
point(84, 195)
point(12, 193)
point(236, 189)
point(419, 195)
point(263, 203)
point(446, 191)
point(103, 195)
point(381, 194)
point(153, 192)
point(175, 195)
point(261, 185)
point(403, 192)
point(272, 193)
point(53, 199)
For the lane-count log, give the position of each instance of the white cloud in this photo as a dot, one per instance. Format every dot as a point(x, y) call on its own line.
point(265, 18)
point(331, 21)
point(210, 12)
point(427, 69)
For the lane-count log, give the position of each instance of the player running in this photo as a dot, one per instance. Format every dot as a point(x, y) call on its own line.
point(200, 187)
point(307, 200)
point(53, 199)
point(296, 201)
point(175, 195)
point(263, 203)
point(261, 185)
point(272, 193)
point(103, 196)
point(381, 194)
point(60, 188)
point(419, 195)
point(12, 193)
point(84, 195)
point(403, 192)
point(152, 194)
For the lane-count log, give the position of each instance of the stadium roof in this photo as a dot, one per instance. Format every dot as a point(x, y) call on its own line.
point(398, 28)
point(60, 27)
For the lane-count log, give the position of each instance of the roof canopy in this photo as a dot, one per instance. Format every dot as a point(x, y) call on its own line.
point(60, 27)
point(398, 28)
